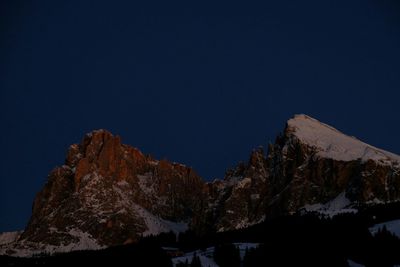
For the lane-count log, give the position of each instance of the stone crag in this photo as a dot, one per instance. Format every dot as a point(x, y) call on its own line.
point(108, 193)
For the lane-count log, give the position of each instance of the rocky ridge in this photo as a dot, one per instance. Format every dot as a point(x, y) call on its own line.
point(108, 193)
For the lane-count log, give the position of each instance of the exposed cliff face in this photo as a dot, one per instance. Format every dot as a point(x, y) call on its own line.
point(239, 200)
point(314, 163)
point(311, 166)
point(114, 193)
point(108, 193)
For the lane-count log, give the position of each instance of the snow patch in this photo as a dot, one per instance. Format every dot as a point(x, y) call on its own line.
point(9, 237)
point(156, 225)
point(29, 249)
point(244, 223)
point(207, 256)
point(340, 204)
point(244, 183)
point(86, 242)
point(122, 183)
point(354, 264)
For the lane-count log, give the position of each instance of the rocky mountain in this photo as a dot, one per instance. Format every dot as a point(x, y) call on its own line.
point(313, 163)
point(108, 193)
point(241, 198)
point(311, 166)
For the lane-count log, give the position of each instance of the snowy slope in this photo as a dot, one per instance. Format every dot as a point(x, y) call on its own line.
point(27, 249)
point(206, 256)
point(101, 210)
point(331, 143)
point(338, 205)
point(391, 226)
point(156, 225)
point(354, 264)
point(9, 237)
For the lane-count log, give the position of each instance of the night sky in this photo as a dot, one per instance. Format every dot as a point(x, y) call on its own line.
point(192, 82)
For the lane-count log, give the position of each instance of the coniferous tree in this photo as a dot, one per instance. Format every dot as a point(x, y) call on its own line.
point(183, 264)
point(227, 255)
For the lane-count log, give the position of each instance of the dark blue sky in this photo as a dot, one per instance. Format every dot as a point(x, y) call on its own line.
point(189, 81)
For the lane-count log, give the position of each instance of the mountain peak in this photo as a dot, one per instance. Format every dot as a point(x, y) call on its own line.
point(331, 143)
point(109, 193)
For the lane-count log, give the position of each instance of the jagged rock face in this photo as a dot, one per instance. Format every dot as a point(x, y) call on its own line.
point(108, 193)
point(306, 170)
point(240, 199)
point(114, 193)
point(310, 163)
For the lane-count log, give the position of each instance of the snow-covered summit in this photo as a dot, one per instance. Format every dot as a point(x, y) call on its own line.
point(331, 143)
